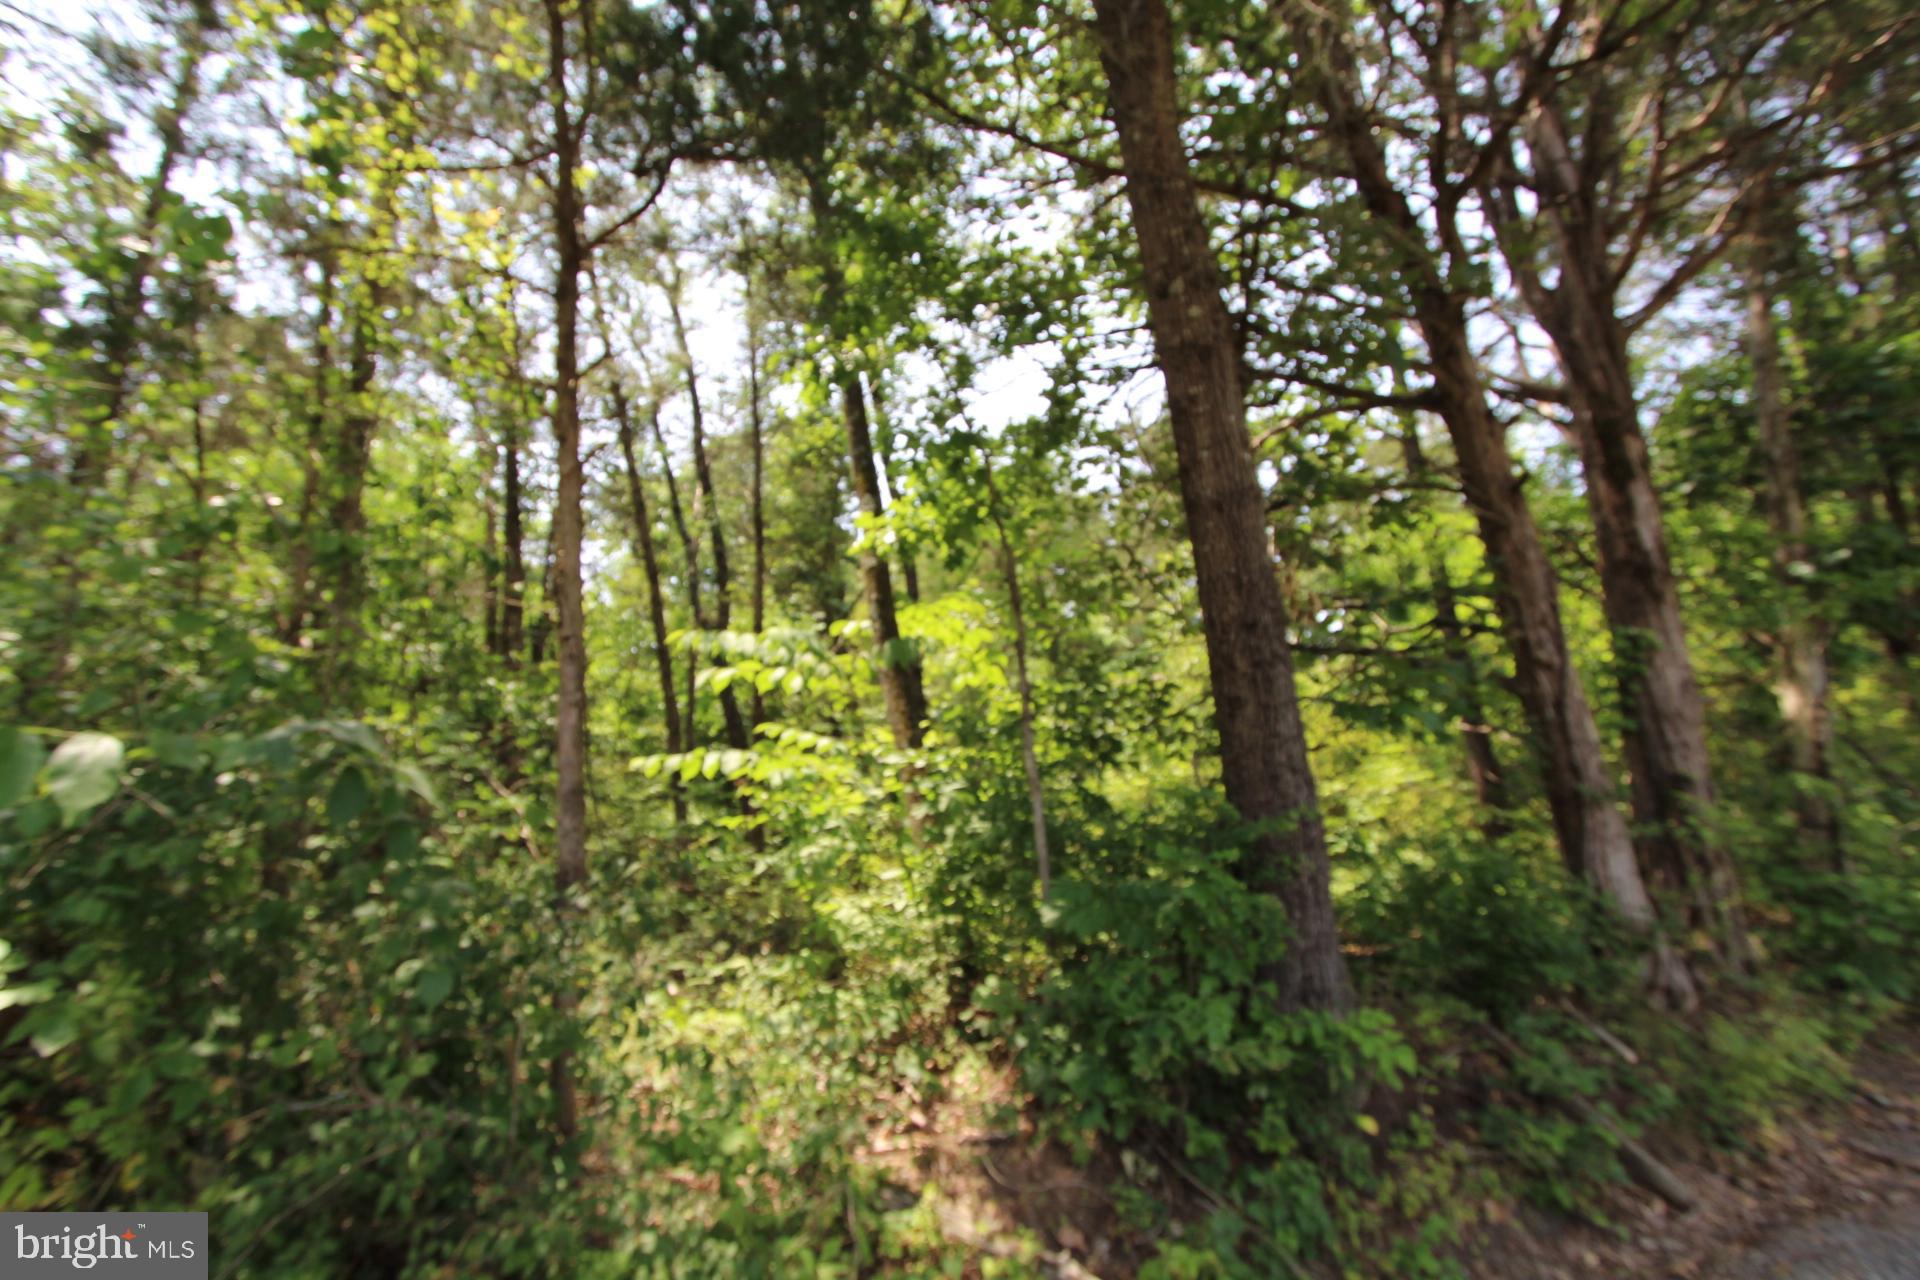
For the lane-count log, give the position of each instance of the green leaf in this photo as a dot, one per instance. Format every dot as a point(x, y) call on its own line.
point(55, 1032)
point(27, 993)
point(34, 819)
point(435, 985)
point(21, 756)
point(348, 799)
point(84, 774)
point(415, 779)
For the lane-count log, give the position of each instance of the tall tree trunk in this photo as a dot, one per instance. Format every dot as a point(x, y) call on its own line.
point(513, 600)
point(126, 305)
point(1029, 754)
point(490, 556)
point(570, 720)
point(705, 501)
point(909, 567)
point(1591, 830)
point(690, 550)
point(759, 515)
point(1666, 743)
point(896, 662)
point(313, 463)
point(898, 668)
point(1800, 637)
point(346, 512)
point(1262, 747)
point(656, 594)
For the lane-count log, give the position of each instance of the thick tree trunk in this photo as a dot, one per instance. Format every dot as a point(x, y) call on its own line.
point(1801, 637)
point(1666, 744)
point(898, 668)
point(570, 719)
point(656, 593)
point(1591, 830)
point(1262, 747)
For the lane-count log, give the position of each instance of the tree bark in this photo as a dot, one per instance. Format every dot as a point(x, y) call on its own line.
point(313, 465)
point(570, 763)
point(127, 304)
point(898, 668)
point(656, 594)
point(1262, 746)
point(690, 550)
point(1029, 754)
point(1801, 638)
point(513, 600)
point(909, 567)
point(346, 512)
point(1590, 828)
point(705, 502)
point(759, 515)
point(1666, 744)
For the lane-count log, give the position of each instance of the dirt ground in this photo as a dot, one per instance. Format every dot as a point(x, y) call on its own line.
point(1835, 1196)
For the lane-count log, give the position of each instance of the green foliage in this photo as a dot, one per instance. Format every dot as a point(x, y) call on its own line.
point(1491, 923)
point(249, 976)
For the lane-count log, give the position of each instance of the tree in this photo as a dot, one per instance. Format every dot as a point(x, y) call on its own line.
point(1262, 748)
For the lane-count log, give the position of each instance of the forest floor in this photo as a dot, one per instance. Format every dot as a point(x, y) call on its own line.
point(1833, 1194)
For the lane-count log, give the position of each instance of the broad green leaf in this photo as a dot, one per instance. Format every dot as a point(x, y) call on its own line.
point(21, 756)
point(84, 774)
point(435, 985)
point(26, 993)
point(55, 1031)
point(348, 799)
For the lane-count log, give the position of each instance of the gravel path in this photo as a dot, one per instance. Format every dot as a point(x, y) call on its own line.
point(1833, 1249)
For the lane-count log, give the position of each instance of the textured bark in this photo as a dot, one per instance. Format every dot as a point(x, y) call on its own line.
point(656, 592)
point(1590, 828)
point(1666, 743)
point(1800, 641)
point(1262, 747)
point(898, 670)
point(570, 720)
